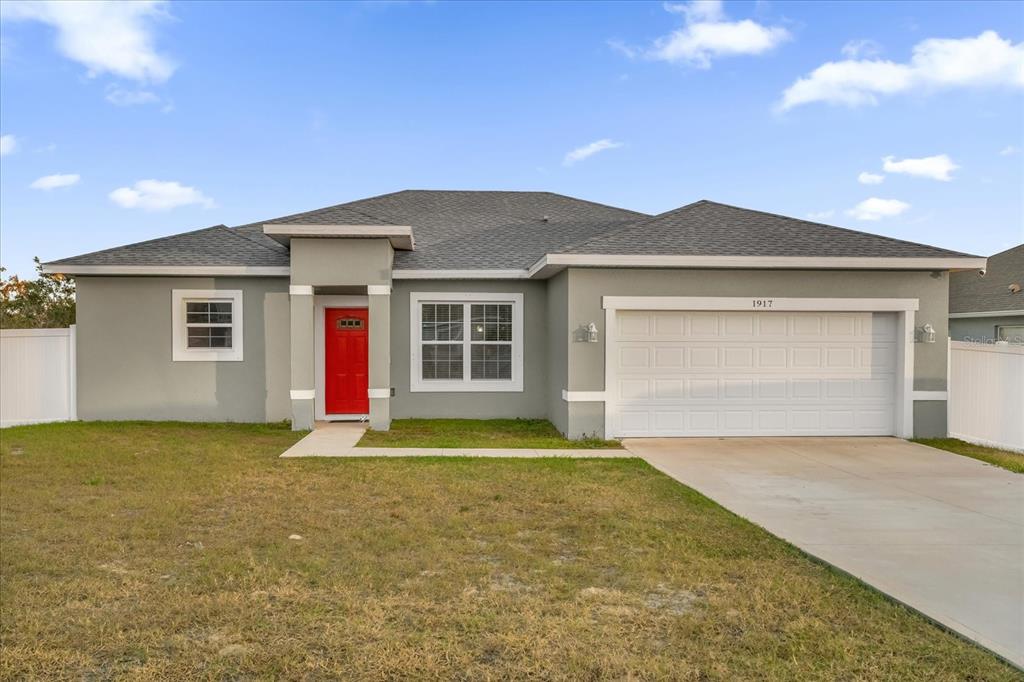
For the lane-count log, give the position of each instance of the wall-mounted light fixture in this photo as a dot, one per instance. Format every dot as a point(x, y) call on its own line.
point(585, 333)
point(927, 333)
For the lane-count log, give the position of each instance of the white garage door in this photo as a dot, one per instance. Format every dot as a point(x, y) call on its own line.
point(678, 373)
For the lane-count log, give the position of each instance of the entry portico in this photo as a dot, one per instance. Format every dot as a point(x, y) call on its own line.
point(339, 266)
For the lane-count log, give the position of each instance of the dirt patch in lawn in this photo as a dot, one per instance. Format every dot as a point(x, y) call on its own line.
point(163, 551)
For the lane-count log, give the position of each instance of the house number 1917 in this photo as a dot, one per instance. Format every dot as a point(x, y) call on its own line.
point(762, 302)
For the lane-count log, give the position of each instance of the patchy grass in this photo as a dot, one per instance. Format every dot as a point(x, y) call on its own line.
point(162, 551)
point(1011, 461)
point(477, 433)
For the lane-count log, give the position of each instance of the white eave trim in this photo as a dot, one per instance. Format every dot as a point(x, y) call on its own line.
point(758, 304)
point(460, 274)
point(170, 270)
point(400, 236)
point(988, 313)
point(553, 263)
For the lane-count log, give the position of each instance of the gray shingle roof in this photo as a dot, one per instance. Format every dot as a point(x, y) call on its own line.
point(707, 228)
point(217, 245)
point(483, 229)
point(969, 292)
point(468, 230)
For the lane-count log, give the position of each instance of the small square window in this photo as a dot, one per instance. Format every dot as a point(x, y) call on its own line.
point(207, 324)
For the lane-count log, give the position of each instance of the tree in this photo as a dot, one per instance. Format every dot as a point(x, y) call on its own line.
point(46, 301)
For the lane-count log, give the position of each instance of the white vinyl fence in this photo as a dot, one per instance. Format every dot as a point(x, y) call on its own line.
point(37, 376)
point(986, 394)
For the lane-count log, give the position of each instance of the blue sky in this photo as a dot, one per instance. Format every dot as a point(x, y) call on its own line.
point(130, 121)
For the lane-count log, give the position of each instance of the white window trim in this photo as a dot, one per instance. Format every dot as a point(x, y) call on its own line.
point(180, 350)
point(419, 385)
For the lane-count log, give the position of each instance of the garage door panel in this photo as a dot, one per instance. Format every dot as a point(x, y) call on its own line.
point(633, 357)
point(669, 324)
point(738, 373)
point(634, 389)
point(738, 325)
point(703, 358)
point(669, 389)
point(805, 357)
point(769, 326)
point(772, 357)
point(703, 389)
point(702, 324)
point(669, 356)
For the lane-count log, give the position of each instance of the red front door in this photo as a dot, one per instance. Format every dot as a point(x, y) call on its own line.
point(346, 361)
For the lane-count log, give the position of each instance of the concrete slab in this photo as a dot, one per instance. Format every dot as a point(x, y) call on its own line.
point(941, 533)
point(328, 439)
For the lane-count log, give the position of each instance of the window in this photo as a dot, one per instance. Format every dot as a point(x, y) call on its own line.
point(207, 325)
point(1010, 333)
point(466, 342)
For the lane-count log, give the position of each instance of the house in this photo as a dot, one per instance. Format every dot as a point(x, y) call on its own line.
point(707, 320)
point(988, 305)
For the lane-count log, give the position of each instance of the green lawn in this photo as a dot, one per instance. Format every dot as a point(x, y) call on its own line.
point(1012, 461)
point(477, 433)
point(162, 551)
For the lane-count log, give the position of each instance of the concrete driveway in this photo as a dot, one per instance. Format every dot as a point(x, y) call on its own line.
point(939, 532)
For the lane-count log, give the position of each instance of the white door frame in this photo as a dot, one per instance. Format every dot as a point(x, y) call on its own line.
point(903, 307)
point(320, 306)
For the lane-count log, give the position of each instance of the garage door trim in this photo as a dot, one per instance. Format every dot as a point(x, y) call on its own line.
point(903, 307)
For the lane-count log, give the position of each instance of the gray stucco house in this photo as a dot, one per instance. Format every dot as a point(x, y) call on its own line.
point(705, 320)
point(989, 306)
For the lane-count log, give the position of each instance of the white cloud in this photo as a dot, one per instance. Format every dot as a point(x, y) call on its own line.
point(159, 195)
point(937, 63)
point(588, 150)
point(129, 98)
point(106, 37)
point(866, 178)
point(54, 181)
point(707, 34)
point(935, 167)
point(855, 49)
point(1009, 150)
point(821, 215)
point(876, 209)
point(8, 143)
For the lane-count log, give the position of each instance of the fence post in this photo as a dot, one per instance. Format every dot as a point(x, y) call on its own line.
point(949, 381)
point(73, 373)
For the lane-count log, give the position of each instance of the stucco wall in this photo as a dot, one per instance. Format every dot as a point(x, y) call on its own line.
point(558, 339)
point(125, 370)
point(587, 286)
point(979, 328)
point(530, 403)
point(339, 262)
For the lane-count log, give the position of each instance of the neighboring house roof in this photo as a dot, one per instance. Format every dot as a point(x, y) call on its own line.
point(969, 292)
point(497, 230)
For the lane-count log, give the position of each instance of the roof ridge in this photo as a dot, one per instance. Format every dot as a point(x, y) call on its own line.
point(596, 203)
point(345, 206)
point(647, 218)
point(145, 241)
point(832, 227)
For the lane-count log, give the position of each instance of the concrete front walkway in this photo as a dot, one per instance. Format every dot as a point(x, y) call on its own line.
point(939, 532)
point(338, 439)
